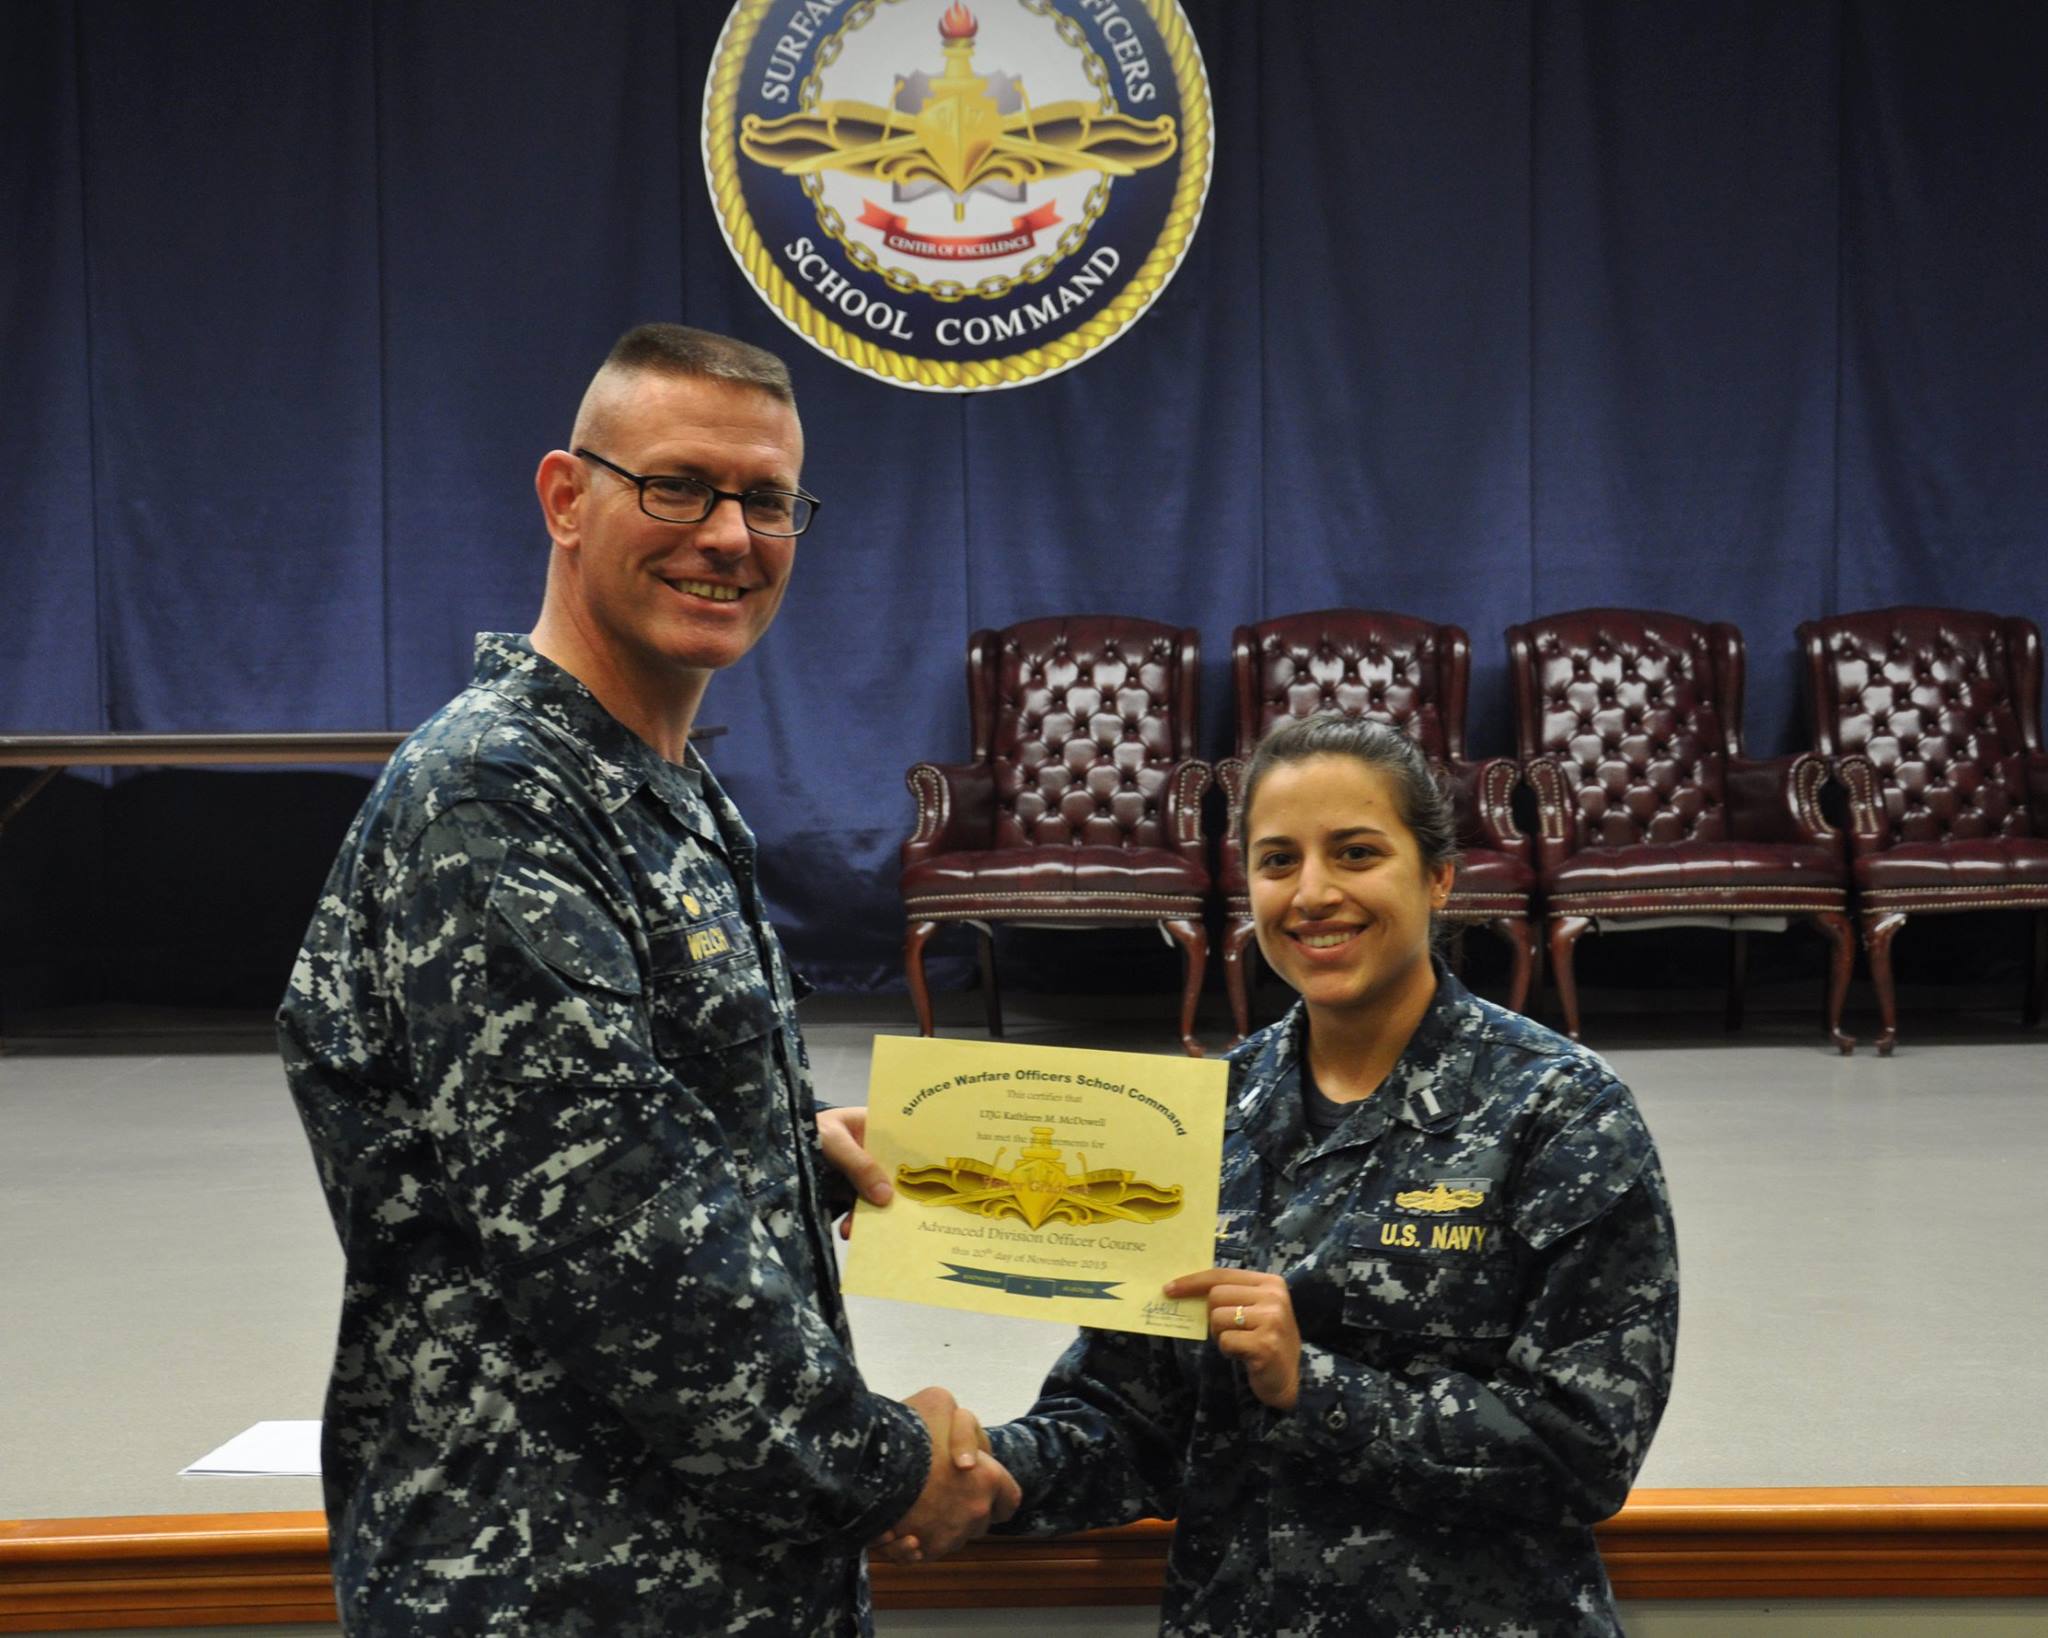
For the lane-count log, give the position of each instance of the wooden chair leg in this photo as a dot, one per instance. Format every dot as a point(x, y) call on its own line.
point(1564, 933)
point(2037, 973)
point(915, 937)
point(1738, 979)
point(1193, 940)
point(1521, 940)
point(1240, 950)
point(991, 992)
point(1880, 927)
point(1841, 936)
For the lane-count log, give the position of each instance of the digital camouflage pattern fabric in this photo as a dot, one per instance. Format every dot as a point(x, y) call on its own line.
point(1483, 1265)
point(593, 1375)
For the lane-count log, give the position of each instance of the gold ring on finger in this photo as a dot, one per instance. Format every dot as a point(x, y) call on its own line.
point(1239, 1321)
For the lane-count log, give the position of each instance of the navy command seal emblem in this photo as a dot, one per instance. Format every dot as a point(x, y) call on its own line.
point(952, 196)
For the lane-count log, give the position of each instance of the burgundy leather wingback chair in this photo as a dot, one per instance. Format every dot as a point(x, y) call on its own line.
point(1082, 805)
point(1630, 728)
point(1933, 720)
point(1409, 674)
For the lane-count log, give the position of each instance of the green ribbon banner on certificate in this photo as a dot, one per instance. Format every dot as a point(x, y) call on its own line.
point(1029, 1285)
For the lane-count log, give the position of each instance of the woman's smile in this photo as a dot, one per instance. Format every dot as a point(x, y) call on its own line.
point(1322, 939)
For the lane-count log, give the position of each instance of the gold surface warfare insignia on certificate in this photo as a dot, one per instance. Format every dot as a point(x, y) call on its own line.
point(1044, 1181)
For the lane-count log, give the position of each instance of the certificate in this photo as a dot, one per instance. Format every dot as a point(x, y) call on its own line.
point(1044, 1181)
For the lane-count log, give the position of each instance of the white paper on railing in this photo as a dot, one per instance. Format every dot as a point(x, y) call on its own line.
point(269, 1450)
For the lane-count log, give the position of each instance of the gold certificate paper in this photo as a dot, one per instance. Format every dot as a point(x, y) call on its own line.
point(1043, 1181)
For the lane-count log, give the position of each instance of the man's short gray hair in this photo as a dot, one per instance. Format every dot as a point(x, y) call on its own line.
point(676, 349)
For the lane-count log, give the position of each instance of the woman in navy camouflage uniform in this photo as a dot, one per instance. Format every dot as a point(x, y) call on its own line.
point(1442, 1334)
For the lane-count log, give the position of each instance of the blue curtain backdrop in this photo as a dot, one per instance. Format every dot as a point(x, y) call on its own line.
point(1496, 309)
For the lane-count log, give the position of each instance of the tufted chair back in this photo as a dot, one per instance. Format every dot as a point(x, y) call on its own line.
point(1944, 704)
point(1081, 719)
point(1389, 667)
point(1638, 710)
point(1409, 674)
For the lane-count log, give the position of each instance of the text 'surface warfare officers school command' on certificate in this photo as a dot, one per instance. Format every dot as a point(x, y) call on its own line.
point(1042, 1181)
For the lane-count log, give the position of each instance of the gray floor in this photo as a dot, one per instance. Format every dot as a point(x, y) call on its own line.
point(1865, 1258)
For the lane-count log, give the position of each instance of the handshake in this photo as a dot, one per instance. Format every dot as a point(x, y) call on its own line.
point(966, 1491)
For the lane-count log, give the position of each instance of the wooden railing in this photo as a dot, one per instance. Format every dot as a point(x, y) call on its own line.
point(193, 750)
point(238, 1569)
point(48, 755)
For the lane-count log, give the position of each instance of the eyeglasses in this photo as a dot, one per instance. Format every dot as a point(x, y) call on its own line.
point(676, 499)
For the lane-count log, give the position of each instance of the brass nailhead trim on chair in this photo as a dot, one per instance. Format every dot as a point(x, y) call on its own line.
point(1676, 901)
point(1924, 899)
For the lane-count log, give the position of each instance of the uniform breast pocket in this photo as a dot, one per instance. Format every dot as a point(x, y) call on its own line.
point(714, 1019)
point(1423, 1279)
point(710, 992)
point(1233, 1246)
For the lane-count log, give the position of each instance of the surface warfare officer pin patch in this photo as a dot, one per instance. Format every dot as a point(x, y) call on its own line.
point(958, 194)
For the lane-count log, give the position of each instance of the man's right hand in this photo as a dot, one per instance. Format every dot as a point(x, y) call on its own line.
point(966, 1491)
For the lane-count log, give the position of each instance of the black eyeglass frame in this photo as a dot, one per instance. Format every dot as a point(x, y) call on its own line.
point(713, 494)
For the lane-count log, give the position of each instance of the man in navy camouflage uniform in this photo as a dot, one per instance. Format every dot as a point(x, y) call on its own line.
point(1478, 1385)
point(593, 1373)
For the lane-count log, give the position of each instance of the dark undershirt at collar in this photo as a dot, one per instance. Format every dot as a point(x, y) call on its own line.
point(1324, 1115)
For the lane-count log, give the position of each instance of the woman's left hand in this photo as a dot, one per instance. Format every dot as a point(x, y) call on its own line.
point(1251, 1316)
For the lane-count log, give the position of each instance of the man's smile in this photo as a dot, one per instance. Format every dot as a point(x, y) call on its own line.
point(711, 589)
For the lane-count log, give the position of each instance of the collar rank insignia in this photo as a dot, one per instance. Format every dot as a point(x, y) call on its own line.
point(1039, 1188)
